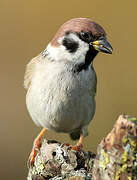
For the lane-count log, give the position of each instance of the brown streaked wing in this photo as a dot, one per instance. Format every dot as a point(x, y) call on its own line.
point(30, 68)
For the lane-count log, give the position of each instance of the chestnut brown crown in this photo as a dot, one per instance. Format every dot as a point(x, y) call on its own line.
point(77, 25)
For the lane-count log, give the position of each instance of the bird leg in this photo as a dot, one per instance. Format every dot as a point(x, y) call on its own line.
point(36, 146)
point(79, 145)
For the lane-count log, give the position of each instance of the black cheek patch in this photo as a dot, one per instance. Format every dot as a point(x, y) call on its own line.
point(70, 45)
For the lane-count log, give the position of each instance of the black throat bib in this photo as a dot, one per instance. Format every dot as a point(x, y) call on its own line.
point(91, 54)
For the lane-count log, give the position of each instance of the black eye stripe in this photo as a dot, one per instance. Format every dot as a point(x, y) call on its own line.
point(85, 35)
point(88, 37)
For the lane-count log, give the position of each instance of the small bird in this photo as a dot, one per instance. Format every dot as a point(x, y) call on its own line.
point(61, 81)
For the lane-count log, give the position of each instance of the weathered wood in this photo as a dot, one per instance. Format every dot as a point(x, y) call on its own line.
point(116, 157)
point(117, 153)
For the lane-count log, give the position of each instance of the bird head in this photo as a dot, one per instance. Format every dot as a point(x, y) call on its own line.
point(79, 39)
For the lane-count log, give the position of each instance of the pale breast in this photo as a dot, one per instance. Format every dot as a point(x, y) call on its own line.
point(59, 99)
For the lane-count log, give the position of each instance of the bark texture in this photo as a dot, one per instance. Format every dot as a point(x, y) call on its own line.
point(116, 157)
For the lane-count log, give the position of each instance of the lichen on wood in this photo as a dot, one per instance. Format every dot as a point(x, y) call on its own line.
point(116, 157)
point(57, 161)
point(117, 153)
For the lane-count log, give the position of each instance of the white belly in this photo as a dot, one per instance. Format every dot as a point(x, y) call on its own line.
point(60, 100)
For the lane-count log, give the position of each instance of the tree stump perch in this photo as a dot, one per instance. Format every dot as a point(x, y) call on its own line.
point(116, 157)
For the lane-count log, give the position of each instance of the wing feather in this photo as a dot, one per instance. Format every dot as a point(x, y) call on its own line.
point(30, 68)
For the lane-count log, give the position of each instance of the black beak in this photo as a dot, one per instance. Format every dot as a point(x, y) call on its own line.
point(102, 45)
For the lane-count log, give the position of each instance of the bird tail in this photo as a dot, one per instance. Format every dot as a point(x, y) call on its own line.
point(75, 135)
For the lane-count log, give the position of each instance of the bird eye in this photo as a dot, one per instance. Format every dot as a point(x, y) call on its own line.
point(85, 35)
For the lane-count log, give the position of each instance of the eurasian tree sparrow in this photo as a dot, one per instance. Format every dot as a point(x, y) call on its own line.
point(61, 81)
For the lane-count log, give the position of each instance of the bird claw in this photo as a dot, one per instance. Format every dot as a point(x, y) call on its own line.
point(36, 147)
point(32, 158)
point(66, 144)
point(74, 147)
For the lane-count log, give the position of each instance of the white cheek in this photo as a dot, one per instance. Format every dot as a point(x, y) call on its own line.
point(60, 53)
